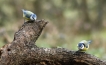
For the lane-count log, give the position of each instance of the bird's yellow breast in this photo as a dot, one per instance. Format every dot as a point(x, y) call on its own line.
point(84, 49)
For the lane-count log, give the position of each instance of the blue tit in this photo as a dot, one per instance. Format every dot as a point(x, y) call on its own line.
point(83, 45)
point(28, 15)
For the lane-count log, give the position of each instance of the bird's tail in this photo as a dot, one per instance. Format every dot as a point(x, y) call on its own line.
point(89, 41)
point(23, 10)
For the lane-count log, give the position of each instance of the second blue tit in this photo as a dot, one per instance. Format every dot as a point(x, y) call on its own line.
point(83, 45)
point(28, 15)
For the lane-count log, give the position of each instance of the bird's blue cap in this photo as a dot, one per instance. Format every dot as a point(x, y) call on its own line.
point(80, 45)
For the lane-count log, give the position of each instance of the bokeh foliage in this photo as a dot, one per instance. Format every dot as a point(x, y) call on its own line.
point(70, 21)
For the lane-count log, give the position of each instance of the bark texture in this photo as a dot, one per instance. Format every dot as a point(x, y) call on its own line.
point(23, 50)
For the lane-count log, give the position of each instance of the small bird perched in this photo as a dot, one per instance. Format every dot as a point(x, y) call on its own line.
point(83, 45)
point(28, 15)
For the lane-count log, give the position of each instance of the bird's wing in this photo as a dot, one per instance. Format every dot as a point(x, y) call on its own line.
point(27, 13)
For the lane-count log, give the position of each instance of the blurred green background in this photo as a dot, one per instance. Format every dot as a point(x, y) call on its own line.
point(70, 21)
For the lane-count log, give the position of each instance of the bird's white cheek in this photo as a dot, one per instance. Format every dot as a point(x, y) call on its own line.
point(82, 47)
point(31, 18)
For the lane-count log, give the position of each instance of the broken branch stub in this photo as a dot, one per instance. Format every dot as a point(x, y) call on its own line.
point(24, 39)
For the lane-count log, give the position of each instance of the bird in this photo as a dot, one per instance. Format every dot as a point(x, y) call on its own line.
point(83, 45)
point(28, 15)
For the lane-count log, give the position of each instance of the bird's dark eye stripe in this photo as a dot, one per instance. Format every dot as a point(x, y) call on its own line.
point(83, 44)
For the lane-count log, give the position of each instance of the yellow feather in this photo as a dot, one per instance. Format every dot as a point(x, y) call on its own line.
point(84, 49)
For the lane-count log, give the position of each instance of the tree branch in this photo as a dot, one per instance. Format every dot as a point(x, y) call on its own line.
point(23, 51)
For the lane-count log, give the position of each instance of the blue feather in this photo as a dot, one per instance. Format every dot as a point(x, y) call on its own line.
point(89, 41)
point(80, 45)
